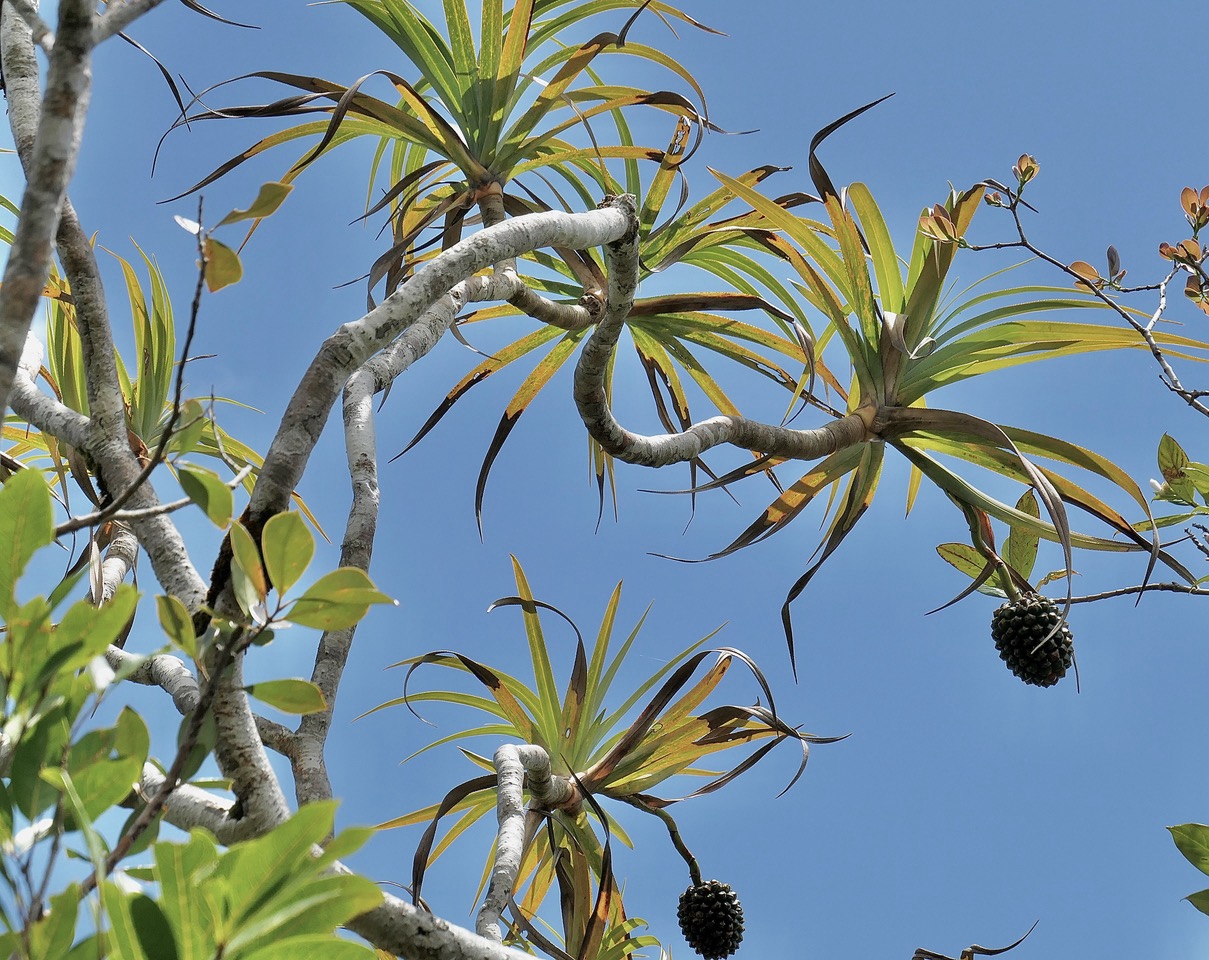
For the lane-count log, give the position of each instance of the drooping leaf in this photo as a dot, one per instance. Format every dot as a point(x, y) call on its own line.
point(177, 624)
point(271, 196)
point(247, 572)
point(223, 266)
point(206, 489)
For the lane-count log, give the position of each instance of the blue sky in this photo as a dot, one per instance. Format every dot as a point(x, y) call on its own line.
point(965, 805)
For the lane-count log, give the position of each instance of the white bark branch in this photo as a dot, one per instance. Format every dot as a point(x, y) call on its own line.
point(424, 307)
point(188, 807)
point(40, 30)
point(50, 164)
point(119, 559)
point(120, 14)
point(512, 763)
point(240, 753)
point(567, 316)
point(355, 342)
point(164, 671)
point(103, 435)
point(46, 413)
point(395, 925)
point(663, 449)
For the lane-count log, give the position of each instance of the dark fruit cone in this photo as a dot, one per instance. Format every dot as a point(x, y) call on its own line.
point(711, 919)
point(1021, 627)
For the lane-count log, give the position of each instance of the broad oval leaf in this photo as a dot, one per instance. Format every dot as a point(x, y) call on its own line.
point(289, 696)
point(1021, 549)
point(177, 624)
point(1192, 840)
point(222, 265)
point(206, 489)
point(1172, 458)
point(288, 548)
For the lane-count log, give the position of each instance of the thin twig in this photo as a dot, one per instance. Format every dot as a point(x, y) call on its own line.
point(1169, 378)
point(1190, 590)
point(99, 517)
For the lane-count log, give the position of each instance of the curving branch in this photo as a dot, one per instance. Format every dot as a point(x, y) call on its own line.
point(305, 748)
point(422, 309)
point(548, 792)
point(119, 14)
point(354, 343)
point(164, 671)
point(119, 560)
point(396, 926)
point(661, 450)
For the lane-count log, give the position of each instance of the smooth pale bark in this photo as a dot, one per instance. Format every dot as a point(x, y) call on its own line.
point(664, 449)
point(102, 435)
point(49, 162)
point(513, 763)
point(354, 343)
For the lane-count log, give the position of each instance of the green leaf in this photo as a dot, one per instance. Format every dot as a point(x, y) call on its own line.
point(85, 631)
point(51, 936)
point(222, 265)
point(288, 548)
point(152, 929)
point(289, 696)
point(26, 523)
point(177, 867)
point(317, 908)
point(96, 845)
point(1020, 552)
point(337, 600)
point(207, 737)
point(177, 624)
point(1192, 840)
point(206, 489)
point(1200, 900)
point(271, 196)
point(969, 561)
point(131, 738)
point(105, 783)
point(1172, 458)
point(123, 939)
point(6, 815)
point(247, 574)
point(1198, 474)
point(189, 428)
point(41, 746)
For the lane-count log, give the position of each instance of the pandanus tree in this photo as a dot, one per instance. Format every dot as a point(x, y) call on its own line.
point(519, 128)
